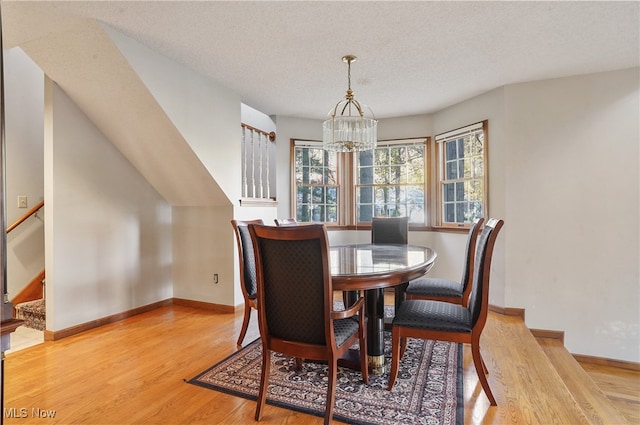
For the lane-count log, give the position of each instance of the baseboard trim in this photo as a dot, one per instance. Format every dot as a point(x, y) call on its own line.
point(602, 361)
point(218, 308)
point(73, 330)
point(507, 311)
point(545, 333)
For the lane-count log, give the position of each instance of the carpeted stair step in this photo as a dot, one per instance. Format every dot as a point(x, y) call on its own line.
point(592, 400)
point(33, 313)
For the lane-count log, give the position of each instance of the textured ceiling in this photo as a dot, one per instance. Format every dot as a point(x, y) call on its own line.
point(284, 58)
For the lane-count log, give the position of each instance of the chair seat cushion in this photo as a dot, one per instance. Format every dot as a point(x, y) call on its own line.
point(434, 287)
point(436, 315)
point(343, 329)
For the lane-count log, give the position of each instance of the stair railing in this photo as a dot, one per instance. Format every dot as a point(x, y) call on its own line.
point(32, 290)
point(26, 215)
point(257, 149)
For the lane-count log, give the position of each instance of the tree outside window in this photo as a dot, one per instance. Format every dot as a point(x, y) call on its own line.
point(462, 175)
point(316, 183)
point(391, 181)
point(349, 189)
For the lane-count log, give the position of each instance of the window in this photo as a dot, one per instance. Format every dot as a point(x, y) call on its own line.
point(391, 181)
point(316, 183)
point(346, 189)
point(462, 175)
point(349, 189)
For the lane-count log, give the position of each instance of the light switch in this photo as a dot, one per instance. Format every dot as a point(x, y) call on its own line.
point(22, 201)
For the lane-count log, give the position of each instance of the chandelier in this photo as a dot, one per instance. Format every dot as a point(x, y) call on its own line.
point(346, 129)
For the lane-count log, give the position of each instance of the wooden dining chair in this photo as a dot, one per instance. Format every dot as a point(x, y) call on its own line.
point(295, 295)
point(285, 221)
point(247, 271)
point(443, 321)
point(438, 289)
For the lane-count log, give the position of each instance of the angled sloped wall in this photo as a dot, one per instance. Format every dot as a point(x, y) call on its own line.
point(107, 231)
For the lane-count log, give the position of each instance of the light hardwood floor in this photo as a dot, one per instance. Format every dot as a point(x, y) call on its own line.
point(133, 372)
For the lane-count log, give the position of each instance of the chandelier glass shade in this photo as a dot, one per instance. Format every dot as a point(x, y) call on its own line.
point(346, 128)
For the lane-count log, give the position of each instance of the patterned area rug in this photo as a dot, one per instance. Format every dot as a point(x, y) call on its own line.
point(428, 389)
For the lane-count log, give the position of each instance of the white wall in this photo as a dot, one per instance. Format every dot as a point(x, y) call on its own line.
point(108, 232)
point(488, 106)
point(203, 245)
point(573, 212)
point(206, 114)
point(24, 109)
point(563, 158)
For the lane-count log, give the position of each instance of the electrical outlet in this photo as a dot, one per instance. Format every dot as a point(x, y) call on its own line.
point(215, 278)
point(22, 201)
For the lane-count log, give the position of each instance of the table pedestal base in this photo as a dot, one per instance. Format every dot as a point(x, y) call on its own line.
point(351, 360)
point(376, 365)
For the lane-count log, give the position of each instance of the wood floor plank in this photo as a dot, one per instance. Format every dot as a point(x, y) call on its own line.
point(134, 372)
point(622, 387)
point(527, 386)
point(589, 396)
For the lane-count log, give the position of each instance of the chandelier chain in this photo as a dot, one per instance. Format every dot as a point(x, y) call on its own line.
point(349, 74)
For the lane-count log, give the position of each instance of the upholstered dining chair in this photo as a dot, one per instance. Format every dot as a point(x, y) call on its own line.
point(285, 221)
point(295, 260)
point(390, 230)
point(443, 321)
point(433, 288)
point(247, 271)
point(393, 230)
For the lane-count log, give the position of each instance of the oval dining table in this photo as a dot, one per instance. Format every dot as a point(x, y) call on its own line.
point(372, 268)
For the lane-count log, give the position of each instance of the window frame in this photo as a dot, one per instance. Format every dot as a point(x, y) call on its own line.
point(440, 141)
point(294, 183)
point(347, 167)
point(426, 142)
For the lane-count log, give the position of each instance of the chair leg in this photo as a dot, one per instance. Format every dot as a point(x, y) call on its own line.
point(403, 345)
point(349, 298)
point(264, 382)
point(331, 390)
point(400, 295)
point(245, 324)
point(395, 358)
point(479, 365)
